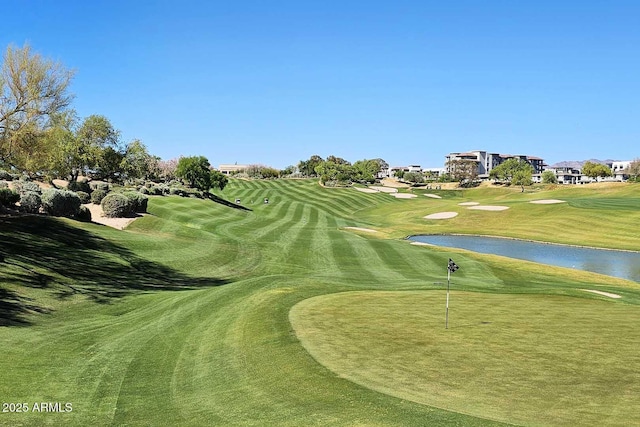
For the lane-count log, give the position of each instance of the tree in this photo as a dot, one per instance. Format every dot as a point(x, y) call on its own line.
point(333, 174)
point(596, 170)
point(32, 89)
point(64, 154)
point(196, 170)
point(167, 169)
point(515, 171)
point(633, 170)
point(413, 177)
point(136, 161)
point(548, 177)
point(463, 171)
point(308, 167)
point(365, 171)
point(218, 180)
point(289, 170)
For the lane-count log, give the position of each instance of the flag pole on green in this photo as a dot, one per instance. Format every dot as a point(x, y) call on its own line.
point(451, 267)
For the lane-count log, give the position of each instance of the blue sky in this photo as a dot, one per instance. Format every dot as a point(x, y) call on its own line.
point(408, 81)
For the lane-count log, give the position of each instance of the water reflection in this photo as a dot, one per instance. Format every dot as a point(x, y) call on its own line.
point(613, 263)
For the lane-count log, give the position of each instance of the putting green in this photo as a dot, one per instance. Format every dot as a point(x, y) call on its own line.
point(525, 359)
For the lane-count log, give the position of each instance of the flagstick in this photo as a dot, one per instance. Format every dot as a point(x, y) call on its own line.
point(446, 316)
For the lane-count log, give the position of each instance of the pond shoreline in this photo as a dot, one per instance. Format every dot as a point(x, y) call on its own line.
point(521, 240)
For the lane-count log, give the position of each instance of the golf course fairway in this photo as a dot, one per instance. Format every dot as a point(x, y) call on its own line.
point(296, 313)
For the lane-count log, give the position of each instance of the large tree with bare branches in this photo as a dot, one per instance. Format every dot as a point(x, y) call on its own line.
point(33, 89)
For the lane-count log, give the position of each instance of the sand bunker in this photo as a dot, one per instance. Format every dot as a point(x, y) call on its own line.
point(404, 196)
point(468, 204)
point(433, 196)
point(367, 230)
point(489, 208)
point(420, 244)
point(366, 190)
point(606, 294)
point(97, 216)
point(547, 201)
point(385, 189)
point(442, 215)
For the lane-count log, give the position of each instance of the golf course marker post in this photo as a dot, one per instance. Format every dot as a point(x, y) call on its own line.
point(451, 267)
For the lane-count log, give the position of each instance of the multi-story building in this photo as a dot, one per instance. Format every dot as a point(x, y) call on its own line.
point(487, 161)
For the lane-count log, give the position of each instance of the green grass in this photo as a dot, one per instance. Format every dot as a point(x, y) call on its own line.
point(515, 358)
point(184, 318)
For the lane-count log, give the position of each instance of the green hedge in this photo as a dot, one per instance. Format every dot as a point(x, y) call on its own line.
point(30, 202)
point(8, 197)
point(98, 195)
point(117, 205)
point(61, 202)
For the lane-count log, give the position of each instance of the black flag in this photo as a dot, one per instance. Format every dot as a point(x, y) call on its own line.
point(452, 266)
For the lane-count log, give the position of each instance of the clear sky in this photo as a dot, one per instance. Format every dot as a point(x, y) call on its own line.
point(274, 82)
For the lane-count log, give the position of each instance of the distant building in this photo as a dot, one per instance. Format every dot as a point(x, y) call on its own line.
point(229, 169)
point(619, 170)
point(405, 169)
point(487, 161)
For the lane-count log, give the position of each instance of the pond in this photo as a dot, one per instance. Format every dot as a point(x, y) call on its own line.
point(610, 262)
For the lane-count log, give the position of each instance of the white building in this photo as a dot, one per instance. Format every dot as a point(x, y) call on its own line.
point(229, 169)
point(487, 161)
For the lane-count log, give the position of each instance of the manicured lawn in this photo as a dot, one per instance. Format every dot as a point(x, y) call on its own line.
point(184, 318)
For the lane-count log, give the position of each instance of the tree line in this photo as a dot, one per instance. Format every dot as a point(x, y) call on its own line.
point(43, 138)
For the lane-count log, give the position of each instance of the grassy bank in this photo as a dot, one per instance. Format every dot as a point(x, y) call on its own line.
point(184, 318)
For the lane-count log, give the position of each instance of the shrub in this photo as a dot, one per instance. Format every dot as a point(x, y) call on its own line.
point(8, 197)
point(61, 202)
point(22, 187)
point(84, 197)
point(30, 202)
point(79, 186)
point(84, 214)
point(173, 191)
point(4, 184)
point(116, 205)
point(97, 196)
point(98, 185)
point(138, 201)
point(144, 190)
point(25, 178)
point(5, 176)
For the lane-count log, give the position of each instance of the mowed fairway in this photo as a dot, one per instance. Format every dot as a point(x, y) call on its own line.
point(203, 314)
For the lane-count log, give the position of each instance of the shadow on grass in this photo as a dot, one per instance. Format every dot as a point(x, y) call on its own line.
point(226, 202)
point(45, 253)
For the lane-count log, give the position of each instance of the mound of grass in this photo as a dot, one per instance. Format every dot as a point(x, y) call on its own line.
point(560, 353)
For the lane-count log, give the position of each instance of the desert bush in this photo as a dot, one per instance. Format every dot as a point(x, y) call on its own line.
point(4, 184)
point(79, 186)
point(60, 202)
point(98, 185)
point(97, 196)
point(5, 176)
point(30, 202)
point(25, 178)
point(116, 205)
point(138, 201)
point(84, 197)
point(22, 187)
point(144, 190)
point(8, 197)
point(84, 214)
